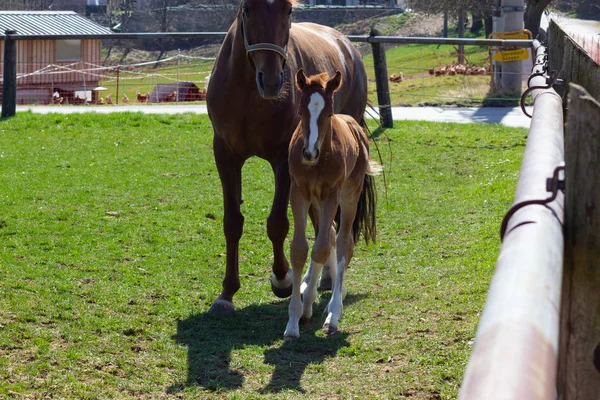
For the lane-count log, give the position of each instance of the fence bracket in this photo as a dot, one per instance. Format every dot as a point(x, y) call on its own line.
point(553, 185)
point(550, 81)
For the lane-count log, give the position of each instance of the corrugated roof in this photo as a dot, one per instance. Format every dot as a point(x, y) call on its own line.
point(49, 23)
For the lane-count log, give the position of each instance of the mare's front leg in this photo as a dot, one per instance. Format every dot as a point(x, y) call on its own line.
point(230, 173)
point(278, 227)
point(298, 254)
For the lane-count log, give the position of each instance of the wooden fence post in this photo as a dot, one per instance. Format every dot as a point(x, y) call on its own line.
point(579, 365)
point(9, 85)
point(118, 74)
point(381, 81)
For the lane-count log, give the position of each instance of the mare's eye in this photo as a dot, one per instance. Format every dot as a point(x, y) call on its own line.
point(246, 10)
point(290, 12)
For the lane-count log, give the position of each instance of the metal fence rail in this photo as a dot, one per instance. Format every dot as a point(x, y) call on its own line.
point(377, 42)
point(221, 36)
point(515, 354)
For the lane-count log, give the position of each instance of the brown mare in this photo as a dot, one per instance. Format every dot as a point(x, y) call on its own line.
point(253, 105)
point(330, 168)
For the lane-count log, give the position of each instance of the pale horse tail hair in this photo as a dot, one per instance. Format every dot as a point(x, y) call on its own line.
point(364, 221)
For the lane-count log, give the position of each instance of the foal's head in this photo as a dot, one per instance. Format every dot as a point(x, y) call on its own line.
point(266, 28)
point(316, 109)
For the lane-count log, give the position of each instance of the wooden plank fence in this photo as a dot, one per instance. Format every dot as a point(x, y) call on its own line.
point(572, 63)
point(579, 371)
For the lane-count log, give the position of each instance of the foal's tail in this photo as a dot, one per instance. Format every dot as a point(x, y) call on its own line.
point(364, 221)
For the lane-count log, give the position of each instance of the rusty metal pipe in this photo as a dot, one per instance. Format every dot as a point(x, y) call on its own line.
point(515, 352)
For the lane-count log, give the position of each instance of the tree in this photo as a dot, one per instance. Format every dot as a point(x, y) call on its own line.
point(124, 11)
point(457, 8)
point(583, 8)
point(533, 14)
point(480, 7)
point(29, 5)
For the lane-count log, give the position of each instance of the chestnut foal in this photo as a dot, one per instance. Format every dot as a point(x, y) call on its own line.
point(329, 168)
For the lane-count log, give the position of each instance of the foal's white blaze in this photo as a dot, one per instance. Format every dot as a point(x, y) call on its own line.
point(315, 107)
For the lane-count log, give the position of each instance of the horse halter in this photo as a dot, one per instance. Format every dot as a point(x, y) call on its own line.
point(263, 46)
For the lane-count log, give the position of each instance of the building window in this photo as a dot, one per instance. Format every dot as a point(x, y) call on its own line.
point(68, 50)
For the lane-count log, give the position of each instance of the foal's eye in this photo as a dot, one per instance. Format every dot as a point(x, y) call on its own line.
point(290, 12)
point(246, 10)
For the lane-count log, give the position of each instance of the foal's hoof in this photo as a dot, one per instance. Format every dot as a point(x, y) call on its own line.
point(282, 293)
point(221, 307)
point(290, 338)
point(329, 329)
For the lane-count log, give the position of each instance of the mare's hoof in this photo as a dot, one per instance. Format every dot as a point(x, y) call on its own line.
point(325, 283)
point(282, 293)
point(221, 307)
point(329, 329)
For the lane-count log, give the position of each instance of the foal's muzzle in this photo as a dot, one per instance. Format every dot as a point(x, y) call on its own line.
point(310, 157)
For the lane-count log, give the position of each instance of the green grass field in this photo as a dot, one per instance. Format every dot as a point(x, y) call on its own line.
point(418, 87)
point(412, 60)
point(111, 252)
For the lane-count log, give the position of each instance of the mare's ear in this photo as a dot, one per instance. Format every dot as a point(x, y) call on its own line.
point(334, 83)
point(301, 79)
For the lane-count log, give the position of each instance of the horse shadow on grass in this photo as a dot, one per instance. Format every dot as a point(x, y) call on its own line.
point(211, 340)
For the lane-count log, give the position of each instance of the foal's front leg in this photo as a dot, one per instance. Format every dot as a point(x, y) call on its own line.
point(298, 254)
point(310, 280)
point(345, 250)
point(326, 274)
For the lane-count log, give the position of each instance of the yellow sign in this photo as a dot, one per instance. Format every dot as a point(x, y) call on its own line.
point(511, 55)
point(523, 34)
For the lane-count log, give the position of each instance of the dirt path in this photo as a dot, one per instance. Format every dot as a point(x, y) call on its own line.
point(489, 115)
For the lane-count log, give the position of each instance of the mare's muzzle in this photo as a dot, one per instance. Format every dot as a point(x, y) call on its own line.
point(269, 85)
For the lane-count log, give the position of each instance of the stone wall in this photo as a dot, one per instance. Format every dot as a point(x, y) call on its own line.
point(218, 19)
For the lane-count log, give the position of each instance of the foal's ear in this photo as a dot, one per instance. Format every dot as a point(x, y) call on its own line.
point(301, 80)
point(334, 83)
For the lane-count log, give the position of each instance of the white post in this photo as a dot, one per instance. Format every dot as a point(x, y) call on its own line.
point(511, 14)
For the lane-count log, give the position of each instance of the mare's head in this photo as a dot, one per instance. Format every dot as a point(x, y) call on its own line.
point(316, 110)
point(266, 28)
